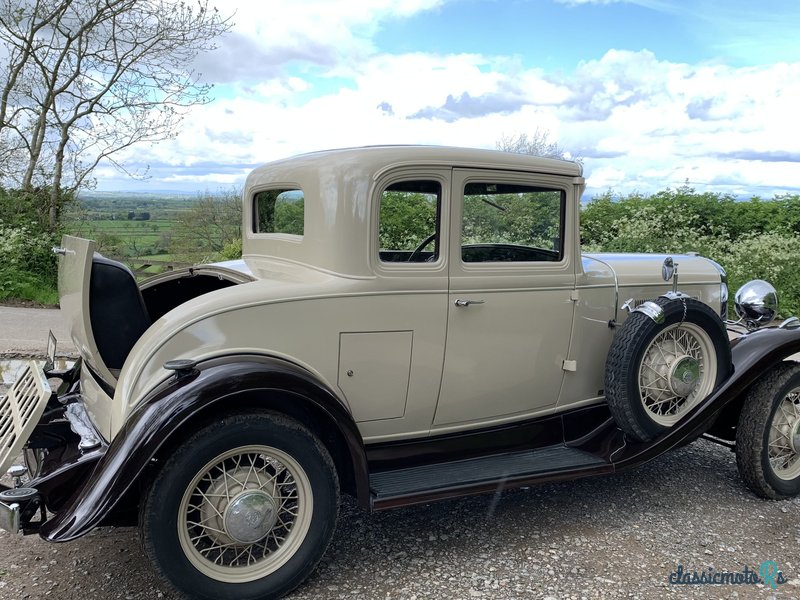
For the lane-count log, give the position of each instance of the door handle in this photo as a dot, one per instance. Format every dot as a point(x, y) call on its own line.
point(463, 303)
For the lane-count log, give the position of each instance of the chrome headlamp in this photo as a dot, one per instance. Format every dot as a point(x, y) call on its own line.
point(723, 289)
point(756, 303)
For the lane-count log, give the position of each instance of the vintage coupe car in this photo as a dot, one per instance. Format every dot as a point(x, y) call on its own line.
point(407, 324)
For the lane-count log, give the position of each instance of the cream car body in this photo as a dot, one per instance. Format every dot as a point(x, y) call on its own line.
point(420, 365)
point(406, 324)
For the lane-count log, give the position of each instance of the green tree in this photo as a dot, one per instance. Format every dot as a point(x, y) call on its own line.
point(202, 232)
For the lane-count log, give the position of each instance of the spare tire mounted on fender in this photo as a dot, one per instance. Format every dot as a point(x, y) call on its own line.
point(656, 372)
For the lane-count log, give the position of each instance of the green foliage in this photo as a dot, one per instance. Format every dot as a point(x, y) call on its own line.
point(757, 239)
point(290, 217)
point(22, 285)
point(31, 207)
point(527, 218)
point(232, 250)
point(28, 266)
point(202, 232)
point(406, 219)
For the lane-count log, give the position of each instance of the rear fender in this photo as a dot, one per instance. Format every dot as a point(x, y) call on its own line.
point(213, 385)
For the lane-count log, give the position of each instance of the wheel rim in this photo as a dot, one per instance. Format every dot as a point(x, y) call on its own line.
point(784, 437)
point(245, 514)
point(678, 370)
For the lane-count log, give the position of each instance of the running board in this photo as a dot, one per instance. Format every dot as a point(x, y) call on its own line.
point(476, 475)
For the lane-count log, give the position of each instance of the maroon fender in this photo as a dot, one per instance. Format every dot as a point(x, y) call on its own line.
point(181, 398)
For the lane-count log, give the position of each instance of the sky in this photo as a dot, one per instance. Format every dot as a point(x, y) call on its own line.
point(649, 94)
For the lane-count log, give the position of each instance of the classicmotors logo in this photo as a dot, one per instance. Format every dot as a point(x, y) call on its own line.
point(767, 574)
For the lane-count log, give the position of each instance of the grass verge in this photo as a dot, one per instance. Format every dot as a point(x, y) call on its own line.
point(23, 288)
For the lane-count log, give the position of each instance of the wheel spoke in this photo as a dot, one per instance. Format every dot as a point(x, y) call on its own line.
point(251, 470)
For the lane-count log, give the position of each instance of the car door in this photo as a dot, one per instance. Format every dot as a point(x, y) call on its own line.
point(511, 290)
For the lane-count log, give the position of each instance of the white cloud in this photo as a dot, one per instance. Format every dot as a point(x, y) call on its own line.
point(639, 122)
point(315, 32)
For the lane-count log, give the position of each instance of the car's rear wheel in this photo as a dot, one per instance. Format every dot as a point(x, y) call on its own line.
point(768, 434)
point(657, 371)
point(244, 509)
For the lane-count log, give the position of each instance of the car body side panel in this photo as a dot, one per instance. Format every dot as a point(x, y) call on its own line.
point(285, 327)
point(175, 402)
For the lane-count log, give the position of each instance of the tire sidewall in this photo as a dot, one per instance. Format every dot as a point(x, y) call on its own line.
point(164, 500)
point(783, 487)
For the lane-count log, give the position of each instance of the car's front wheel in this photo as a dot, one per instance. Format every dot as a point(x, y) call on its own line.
point(245, 508)
point(768, 434)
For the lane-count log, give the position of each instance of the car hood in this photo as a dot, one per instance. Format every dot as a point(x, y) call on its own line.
point(634, 270)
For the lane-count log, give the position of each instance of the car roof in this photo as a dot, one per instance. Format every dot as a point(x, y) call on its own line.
point(377, 159)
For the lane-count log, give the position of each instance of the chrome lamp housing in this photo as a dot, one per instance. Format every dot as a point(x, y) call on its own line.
point(756, 303)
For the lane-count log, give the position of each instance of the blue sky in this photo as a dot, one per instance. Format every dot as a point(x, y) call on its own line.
point(650, 93)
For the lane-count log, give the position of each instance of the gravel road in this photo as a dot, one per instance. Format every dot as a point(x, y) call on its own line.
point(619, 536)
point(613, 537)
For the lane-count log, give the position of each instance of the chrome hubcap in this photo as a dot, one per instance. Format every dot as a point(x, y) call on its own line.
point(677, 371)
point(684, 376)
point(250, 517)
point(795, 441)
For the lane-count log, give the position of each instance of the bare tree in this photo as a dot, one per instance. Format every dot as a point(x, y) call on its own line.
point(85, 79)
point(538, 144)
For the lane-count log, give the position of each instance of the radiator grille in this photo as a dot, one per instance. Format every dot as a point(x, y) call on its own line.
point(20, 411)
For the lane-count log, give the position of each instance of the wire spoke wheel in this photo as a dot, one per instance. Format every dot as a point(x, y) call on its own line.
point(768, 433)
point(783, 445)
point(663, 364)
point(678, 369)
point(245, 513)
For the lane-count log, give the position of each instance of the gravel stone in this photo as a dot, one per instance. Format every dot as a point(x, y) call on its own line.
point(618, 536)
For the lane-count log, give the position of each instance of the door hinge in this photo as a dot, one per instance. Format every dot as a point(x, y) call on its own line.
point(574, 295)
point(570, 365)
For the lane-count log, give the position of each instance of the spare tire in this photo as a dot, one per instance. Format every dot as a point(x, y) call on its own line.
point(656, 372)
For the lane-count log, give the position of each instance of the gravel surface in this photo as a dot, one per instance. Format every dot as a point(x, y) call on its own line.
point(612, 537)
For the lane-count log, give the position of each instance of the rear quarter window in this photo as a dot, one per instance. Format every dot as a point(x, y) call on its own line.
point(279, 211)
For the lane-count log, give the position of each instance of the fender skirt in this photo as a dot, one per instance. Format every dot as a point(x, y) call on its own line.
point(753, 354)
point(175, 401)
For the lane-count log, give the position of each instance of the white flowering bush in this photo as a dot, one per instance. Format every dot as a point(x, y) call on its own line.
point(773, 255)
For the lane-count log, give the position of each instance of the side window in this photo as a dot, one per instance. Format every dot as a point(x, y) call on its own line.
point(510, 222)
point(279, 211)
point(408, 222)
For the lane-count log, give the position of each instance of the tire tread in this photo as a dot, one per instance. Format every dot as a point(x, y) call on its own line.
point(754, 422)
